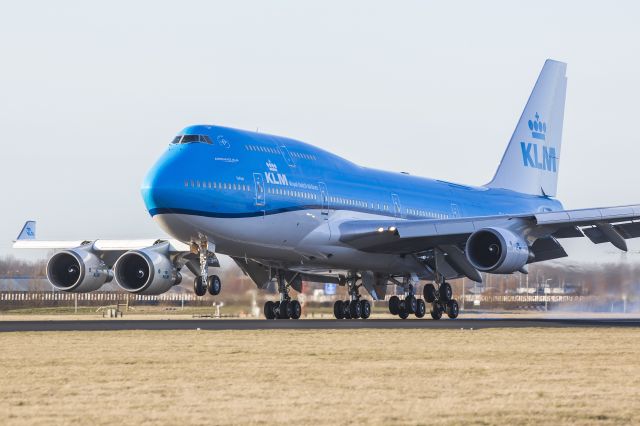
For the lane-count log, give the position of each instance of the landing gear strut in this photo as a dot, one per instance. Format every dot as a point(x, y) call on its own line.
point(285, 308)
point(354, 307)
point(204, 283)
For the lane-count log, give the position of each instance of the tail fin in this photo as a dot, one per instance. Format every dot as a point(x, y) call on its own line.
point(531, 162)
point(28, 231)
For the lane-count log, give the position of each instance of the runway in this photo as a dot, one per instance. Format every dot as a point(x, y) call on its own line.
point(261, 324)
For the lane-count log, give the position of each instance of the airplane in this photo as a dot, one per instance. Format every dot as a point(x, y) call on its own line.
point(287, 212)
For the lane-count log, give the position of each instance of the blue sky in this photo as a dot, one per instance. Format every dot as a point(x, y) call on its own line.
point(91, 94)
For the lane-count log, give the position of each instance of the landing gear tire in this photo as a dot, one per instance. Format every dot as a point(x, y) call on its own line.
point(429, 293)
point(284, 310)
point(365, 309)
point(338, 309)
point(214, 285)
point(421, 308)
point(403, 314)
point(198, 288)
point(453, 309)
point(354, 309)
point(296, 309)
point(346, 311)
point(394, 305)
point(436, 311)
point(410, 304)
point(269, 311)
point(446, 292)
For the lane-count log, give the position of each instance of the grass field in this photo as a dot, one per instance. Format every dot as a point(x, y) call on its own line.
point(506, 376)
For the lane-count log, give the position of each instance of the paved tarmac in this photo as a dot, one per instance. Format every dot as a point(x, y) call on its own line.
point(262, 324)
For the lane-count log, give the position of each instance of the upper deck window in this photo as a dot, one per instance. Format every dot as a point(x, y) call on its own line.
point(192, 139)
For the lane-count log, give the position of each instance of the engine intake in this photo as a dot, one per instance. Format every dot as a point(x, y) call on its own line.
point(146, 271)
point(497, 250)
point(77, 270)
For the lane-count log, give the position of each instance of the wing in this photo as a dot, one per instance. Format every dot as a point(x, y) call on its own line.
point(540, 230)
point(148, 266)
point(27, 240)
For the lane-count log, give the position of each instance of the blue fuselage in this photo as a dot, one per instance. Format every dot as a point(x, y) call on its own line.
point(261, 195)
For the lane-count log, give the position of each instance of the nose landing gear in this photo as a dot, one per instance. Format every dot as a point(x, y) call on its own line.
point(204, 282)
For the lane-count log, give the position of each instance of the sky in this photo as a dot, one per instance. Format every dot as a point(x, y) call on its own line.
point(92, 93)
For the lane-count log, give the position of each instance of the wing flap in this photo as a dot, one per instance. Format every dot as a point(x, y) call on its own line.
point(589, 216)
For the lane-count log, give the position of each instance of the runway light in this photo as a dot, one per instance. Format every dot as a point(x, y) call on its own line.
point(381, 229)
point(392, 229)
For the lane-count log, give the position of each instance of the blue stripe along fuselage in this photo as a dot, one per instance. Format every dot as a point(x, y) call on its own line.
point(244, 174)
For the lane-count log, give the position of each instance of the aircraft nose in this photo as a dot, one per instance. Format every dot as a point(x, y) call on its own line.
point(161, 184)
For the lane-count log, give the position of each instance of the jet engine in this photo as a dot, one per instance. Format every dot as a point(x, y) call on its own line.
point(497, 250)
point(147, 271)
point(77, 270)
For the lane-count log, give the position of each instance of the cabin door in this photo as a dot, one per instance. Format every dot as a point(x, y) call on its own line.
point(396, 205)
point(324, 200)
point(259, 184)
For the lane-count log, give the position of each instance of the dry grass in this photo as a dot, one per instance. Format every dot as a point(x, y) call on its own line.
point(507, 376)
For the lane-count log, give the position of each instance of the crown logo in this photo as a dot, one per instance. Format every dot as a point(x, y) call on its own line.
point(272, 166)
point(538, 128)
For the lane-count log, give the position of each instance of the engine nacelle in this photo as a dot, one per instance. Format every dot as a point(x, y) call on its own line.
point(146, 271)
point(497, 250)
point(77, 270)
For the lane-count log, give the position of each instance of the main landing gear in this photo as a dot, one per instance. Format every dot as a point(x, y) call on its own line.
point(354, 307)
point(286, 308)
point(409, 305)
point(441, 300)
point(204, 282)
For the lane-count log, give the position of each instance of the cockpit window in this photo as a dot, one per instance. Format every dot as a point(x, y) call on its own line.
point(191, 139)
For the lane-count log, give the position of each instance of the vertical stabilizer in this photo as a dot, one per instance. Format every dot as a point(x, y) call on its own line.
point(531, 162)
point(28, 231)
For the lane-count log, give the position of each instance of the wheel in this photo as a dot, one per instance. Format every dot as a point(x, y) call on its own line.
point(421, 308)
point(214, 285)
point(394, 305)
point(346, 312)
point(198, 288)
point(410, 304)
point(338, 309)
point(354, 309)
point(284, 310)
point(268, 310)
point(365, 309)
point(403, 313)
point(436, 311)
point(446, 292)
point(453, 309)
point(296, 309)
point(429, 293)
